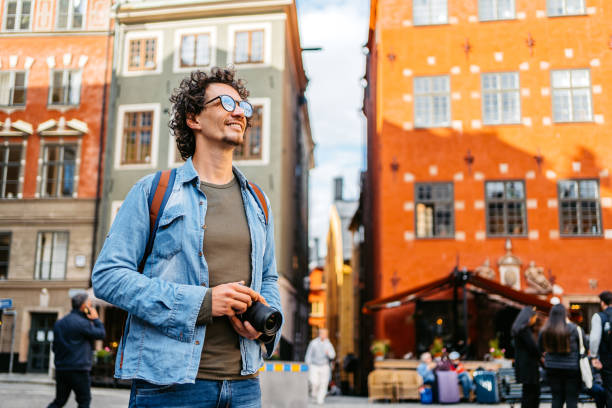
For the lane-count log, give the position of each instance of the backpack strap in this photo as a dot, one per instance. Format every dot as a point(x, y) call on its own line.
point(260, 198)
point(158, 197)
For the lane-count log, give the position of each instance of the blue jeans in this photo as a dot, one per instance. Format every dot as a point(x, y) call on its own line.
point(202, 394)
point(466, 384)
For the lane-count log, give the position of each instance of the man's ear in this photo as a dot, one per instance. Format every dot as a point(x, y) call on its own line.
point(192, 121)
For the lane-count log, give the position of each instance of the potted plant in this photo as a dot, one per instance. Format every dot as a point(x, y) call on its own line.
point(437, 347)
point(494, 350)
point(380, 348)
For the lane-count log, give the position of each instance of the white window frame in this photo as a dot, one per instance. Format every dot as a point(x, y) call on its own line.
point(430, 94)
point(495, 7)
point(50, 103)
point(70, 17)
point(267, 56)
point(115, 205)
point(121, 111)
point(143, 35)
point(12, 86)
point(429, 18)
point(43, 169)
point(265, 132)
point(565, 13)
point(498, 92)
point(38, 266)
point(178, 35)
point(571, 89)
point(17, 13)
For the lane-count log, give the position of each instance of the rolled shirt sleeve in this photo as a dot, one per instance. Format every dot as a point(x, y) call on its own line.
point(595, 335)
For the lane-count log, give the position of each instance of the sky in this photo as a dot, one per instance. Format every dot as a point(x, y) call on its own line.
point(335, 98)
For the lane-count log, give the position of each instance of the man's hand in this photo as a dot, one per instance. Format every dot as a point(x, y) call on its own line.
point(93, 313)
point(244, 328)
point(596, 363)
point(232, 298)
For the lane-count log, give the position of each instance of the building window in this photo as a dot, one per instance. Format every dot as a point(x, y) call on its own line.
point(429, 12)
point(10, 166)
point(51, 255)
point(489, 10)
point(71, 14)
point(249, 47)
point(195, 50)
point(565, 7)
point(5, 252)
point(434, 210)
point(251, 149)
point(571, 95)
point(18, 15)
point(143, 54)
point(12, 88)
point(506, 214)
point(317, 309)
point(137, 131)
point(431, 101)
point(58, 170)
point(65, 87)
point(579, 213)
point(500, 98)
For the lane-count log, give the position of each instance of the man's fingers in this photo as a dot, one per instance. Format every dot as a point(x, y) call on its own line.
point(246, 290)
point(241, 297)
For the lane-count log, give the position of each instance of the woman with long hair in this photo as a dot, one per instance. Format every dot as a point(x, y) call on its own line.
point(527, 357)
point(559, 342)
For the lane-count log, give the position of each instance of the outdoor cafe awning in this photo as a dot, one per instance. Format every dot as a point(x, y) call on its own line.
point(457, 279)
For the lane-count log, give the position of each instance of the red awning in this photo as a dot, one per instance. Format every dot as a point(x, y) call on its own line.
point(456, 278)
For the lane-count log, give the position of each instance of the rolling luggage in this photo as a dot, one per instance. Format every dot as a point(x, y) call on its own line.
point(487, 391)
point(448, 387)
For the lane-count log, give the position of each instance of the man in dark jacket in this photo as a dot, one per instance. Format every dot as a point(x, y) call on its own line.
point(73, 344)
point(601, 342)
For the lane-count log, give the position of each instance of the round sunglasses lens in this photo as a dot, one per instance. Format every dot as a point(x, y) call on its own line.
point(228, 103)
point(247, 108)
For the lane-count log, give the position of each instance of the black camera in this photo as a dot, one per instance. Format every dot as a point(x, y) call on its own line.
point(264, 319)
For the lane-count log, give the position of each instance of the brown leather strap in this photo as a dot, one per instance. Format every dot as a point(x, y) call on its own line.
point(158, 198)
point(262, 199)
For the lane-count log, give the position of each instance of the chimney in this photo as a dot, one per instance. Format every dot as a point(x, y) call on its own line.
point(338, 189)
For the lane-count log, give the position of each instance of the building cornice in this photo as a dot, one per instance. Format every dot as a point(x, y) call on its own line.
point(37, 285)
point(134, 12)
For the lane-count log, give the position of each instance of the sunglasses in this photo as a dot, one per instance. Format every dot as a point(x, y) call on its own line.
point(229, 104)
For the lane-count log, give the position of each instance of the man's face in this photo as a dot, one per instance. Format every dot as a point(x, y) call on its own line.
point(323, 334)
point(217, 124)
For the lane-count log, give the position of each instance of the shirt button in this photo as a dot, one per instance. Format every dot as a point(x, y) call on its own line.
point(201, 202)
point(197, 342)
point(200, 253)
point(204, 226)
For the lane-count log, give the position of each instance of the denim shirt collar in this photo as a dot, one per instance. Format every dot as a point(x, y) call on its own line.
point(186, 173)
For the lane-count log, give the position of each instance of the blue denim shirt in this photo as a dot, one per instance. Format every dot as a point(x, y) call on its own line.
point(162, 343)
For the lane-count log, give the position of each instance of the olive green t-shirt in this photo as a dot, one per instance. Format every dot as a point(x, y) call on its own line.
point(227, 250)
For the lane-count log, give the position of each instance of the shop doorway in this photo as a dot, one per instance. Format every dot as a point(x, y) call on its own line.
point(41, 337)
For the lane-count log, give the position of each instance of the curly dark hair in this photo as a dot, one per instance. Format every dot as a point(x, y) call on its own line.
point(188, 100)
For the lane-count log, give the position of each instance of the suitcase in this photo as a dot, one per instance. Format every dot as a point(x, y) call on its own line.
point(448, 387)
point(487, 391)
point(426, 394)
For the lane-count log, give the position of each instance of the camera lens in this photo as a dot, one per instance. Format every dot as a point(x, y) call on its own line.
point(263, 318)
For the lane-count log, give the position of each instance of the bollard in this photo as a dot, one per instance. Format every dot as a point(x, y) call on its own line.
point(284, 384)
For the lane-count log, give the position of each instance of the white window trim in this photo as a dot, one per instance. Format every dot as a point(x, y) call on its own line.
point(497, 17)
point(431, 125)
point(571, 88)
point(498, 92)
point(429, 22)
point(123, 109)
point(178, 34)
point(71, 17)
point(141, 35)
point(42, 177)
point(11, 108)
point(114, 209)
point(172, 151)
point(565, 13)
point(19, 6)
point(265, 134)
point(266, 27)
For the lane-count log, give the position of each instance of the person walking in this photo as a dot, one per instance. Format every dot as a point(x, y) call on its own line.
point(319, 353)
point(211, 259)
point(527, 356)
point(559, 343)
point(600, 343)
point(73, 337)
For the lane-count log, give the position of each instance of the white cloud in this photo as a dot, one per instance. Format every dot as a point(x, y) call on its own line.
point(335, 98)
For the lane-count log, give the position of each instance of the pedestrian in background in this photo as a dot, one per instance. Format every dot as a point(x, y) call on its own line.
point(600, 343)
point(559, 342)
point(73, 338)
point(319, 353)
point(527, 358)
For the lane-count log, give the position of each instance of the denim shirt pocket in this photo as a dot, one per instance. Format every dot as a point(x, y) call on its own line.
point(170, 232)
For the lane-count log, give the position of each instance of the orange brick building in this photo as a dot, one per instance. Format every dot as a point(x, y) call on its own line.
point(487, 120)
point(55, 64)
point(316, 299)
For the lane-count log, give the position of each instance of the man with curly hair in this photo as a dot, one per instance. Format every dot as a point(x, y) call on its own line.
point(213, 256)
